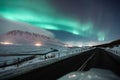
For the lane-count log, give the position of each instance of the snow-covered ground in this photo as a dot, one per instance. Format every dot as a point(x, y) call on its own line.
point(92, 74)
point(19, 50)
point(40, 61)
point(22, 49)
point(115, 50)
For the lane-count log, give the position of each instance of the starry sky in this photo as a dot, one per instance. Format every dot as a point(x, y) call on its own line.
point(72, 21)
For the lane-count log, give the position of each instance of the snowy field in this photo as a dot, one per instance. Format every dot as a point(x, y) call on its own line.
point(38, 61)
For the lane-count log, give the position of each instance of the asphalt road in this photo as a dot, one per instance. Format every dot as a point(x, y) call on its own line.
point(97, 58)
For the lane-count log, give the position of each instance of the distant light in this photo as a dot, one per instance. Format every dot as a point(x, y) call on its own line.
point(90, 45)
point(68, 45)
point(38, 44)
point(65, 45)
point(6, 43)
point(72, 76)
point(80, 45)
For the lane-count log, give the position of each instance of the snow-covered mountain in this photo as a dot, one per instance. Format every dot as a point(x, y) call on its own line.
point(23, 37)
point(10, 25)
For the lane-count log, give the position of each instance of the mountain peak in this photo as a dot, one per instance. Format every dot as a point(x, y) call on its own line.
point(24, 37)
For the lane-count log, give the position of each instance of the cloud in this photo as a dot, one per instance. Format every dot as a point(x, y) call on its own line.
point(8, 25)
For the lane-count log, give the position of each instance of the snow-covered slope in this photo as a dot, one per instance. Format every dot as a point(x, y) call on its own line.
point(110, 44)
point(113, 47)
point(116, 48)
point(23, 37)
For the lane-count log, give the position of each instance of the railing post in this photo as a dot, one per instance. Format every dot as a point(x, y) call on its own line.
point(18, 62)
point(5, 64)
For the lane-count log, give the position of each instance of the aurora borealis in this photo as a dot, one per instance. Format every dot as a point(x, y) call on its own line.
point(45, 14)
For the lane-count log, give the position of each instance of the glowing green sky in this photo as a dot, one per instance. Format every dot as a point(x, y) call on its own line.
point(45, 16)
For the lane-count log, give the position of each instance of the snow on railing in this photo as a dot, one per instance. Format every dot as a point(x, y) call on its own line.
point(116, 52)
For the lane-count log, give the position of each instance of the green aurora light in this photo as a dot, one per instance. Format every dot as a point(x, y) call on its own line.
point(44, 15)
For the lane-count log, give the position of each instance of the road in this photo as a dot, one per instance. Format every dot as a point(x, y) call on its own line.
point(96, 58)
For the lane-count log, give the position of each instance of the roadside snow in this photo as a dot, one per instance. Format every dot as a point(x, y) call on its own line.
point(114, 50)
point(40, 61)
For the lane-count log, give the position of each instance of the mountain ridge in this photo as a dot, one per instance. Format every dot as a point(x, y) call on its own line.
point(24, 37)
point(110, 44)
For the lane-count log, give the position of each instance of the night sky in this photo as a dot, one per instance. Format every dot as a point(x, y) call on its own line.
point(72, 21)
